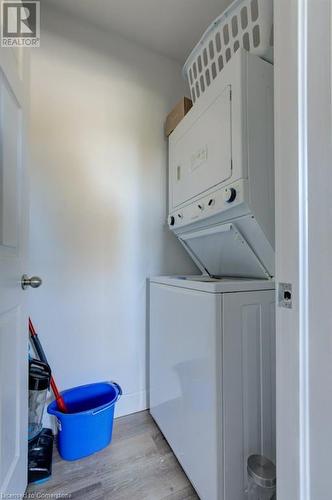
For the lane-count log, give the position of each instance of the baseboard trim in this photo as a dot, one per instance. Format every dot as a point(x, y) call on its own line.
point(131, 403)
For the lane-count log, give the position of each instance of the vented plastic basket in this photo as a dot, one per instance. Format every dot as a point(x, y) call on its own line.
point(246, 24)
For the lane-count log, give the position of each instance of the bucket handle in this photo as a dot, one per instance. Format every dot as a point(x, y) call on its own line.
point(119, 389)
point(113, 402)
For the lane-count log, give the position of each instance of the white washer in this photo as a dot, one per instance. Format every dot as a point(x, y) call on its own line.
point(212, 376)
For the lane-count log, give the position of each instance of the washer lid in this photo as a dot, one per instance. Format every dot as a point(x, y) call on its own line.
point(221, 250)
point(213, 285)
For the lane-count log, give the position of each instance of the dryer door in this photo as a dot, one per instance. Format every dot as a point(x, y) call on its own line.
point(222, 251)
point(201, 157)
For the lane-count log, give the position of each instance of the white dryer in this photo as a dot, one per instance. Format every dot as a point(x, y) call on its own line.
point(221, 173)
point(212, 381)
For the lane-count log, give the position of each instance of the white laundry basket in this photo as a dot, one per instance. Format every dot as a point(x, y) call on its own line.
point(245, 24)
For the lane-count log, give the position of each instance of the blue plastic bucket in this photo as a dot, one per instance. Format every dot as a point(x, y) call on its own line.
point(88, 426)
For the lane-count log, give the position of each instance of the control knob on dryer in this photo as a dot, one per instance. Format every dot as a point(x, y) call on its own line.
point(230, 195)
point(171, 220)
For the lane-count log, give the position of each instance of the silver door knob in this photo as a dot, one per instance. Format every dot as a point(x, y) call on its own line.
point(34, 282)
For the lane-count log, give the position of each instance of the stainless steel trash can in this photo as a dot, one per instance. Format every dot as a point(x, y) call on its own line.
point(261, 478)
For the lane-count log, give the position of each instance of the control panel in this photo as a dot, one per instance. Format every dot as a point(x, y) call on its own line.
point(216, 202)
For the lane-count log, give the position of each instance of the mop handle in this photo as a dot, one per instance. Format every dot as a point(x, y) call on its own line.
point(40, 351)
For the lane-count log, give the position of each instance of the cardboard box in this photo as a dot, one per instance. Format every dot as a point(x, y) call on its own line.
point(177, 114)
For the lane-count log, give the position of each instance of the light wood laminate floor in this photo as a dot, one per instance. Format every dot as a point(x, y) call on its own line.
point(138, 465)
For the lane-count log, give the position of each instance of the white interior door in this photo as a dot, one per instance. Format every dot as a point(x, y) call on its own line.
point(13, 237)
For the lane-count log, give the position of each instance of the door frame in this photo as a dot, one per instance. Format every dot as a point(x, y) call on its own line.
point(303, 151)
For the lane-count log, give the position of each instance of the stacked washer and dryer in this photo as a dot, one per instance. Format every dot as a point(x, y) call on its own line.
point(212, 336)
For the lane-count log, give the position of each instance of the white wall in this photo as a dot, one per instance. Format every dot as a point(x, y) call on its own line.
point(98, 200)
